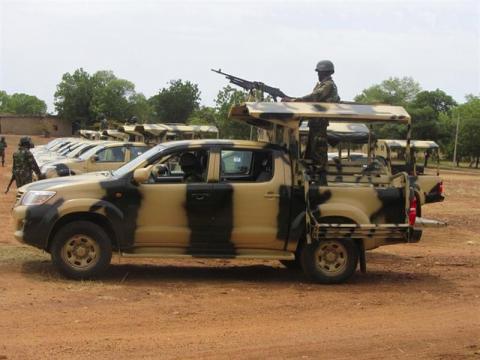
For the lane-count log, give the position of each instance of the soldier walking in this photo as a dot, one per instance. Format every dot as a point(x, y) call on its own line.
point(3, 147)
point(317, 147)
point(24, 164)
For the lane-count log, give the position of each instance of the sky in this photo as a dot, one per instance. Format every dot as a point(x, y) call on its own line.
point(277, 42)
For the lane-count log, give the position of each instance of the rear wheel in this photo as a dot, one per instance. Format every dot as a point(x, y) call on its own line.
point(81, 250)
point(330, 261)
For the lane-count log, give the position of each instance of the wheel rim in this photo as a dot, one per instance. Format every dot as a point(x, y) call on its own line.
point(80, 252)
point(331, 258)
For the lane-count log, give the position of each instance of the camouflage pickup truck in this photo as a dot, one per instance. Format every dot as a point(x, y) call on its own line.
point(224, 199)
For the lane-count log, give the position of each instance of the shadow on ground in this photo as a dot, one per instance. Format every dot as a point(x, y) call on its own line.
point(255, 274)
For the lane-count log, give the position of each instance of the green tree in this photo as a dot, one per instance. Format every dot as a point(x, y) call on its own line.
point(469, 129)
point(21, 104)
point(3, 101)
point(83, 97)
point(110, 95)
point(140, 107)
point(24, 104)
point(74, 96)
point(204, 116)
point(175, 103)
point(425, 111)
point(230, 129)
point(393, 91)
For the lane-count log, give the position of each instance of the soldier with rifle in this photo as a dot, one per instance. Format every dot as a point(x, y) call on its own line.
point(317, 146)
point(324, 91)
point(24, 165)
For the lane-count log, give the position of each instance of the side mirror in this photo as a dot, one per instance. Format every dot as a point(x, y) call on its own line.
point(94, 158)
point(141, 175)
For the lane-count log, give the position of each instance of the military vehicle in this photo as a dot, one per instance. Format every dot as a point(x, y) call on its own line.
point(90, 134)
point(225, 199)
point(428, 188)
point(105, 156)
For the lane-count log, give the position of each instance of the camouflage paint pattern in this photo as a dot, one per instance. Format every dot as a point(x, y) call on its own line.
point(215, 218)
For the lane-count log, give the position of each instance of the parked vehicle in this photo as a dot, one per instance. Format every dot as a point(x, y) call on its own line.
point(225, 199)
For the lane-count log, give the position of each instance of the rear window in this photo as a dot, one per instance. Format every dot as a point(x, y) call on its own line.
point(246, 166)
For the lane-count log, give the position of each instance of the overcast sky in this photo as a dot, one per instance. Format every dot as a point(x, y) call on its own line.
point(152, 42)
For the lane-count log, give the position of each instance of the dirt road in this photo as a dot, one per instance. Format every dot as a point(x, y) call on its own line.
point(418, 301)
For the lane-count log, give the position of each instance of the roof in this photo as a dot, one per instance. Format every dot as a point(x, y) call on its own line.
point(357, 133)
point(129, 129)
point(221, 142)
point(160, 129)
point(263, 114)
point(417, 144)
point(115, 134)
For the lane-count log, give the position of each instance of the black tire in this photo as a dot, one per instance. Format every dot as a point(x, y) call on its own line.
point(416, 235)
point(339, 267)
point(81, 250)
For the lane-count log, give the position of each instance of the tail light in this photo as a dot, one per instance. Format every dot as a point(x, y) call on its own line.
point(441, 188)
point(412, 211)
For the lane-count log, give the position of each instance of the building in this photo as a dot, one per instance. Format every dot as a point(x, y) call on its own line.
point(48, 125)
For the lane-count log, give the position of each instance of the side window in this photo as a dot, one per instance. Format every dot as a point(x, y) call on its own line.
point(112, 154)
point(136, 151)
point(246, 166)
point(186, 166)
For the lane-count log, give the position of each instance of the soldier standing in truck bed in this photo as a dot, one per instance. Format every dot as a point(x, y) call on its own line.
point(317, 146)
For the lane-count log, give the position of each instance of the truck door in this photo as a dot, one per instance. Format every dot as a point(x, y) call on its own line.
point(176, 210)
point(247, 199)
point(109, 158)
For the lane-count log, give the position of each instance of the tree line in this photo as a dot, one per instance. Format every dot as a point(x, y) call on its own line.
point(84, 98)
point(21, 104)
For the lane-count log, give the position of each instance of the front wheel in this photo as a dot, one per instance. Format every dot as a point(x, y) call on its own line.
point(81, 250)
point(330, 261)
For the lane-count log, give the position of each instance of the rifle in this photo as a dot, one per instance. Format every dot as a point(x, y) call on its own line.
point(253, 85)
point(12, 179)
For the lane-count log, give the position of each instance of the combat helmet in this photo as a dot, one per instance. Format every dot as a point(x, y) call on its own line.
point(24, 142)
point(325, 65)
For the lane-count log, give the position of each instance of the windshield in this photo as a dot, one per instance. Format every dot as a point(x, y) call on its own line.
point(87, 155)
point(125, 169)
point(52, 143)
point(80, 150)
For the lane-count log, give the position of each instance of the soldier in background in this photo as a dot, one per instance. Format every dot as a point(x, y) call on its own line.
point(103, 122)
point(132, 120)
point(3, 147)
point(317, 146)
point(24, 163)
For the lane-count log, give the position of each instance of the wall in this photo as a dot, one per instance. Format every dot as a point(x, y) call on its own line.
point(34, 125)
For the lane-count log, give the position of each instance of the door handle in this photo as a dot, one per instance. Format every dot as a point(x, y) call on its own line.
point(200, 196)
point(271, 195)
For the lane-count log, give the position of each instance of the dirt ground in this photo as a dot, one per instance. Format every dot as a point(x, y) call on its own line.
point(417, 301)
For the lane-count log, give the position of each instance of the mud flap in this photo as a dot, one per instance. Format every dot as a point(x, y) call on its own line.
point(423, 223)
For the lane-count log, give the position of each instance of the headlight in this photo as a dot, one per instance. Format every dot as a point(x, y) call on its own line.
point(37, 197)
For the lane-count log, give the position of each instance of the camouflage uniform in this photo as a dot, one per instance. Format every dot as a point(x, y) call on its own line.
point(317, 146)
point(324, 91)
point(23, 165)
point(3, 146)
